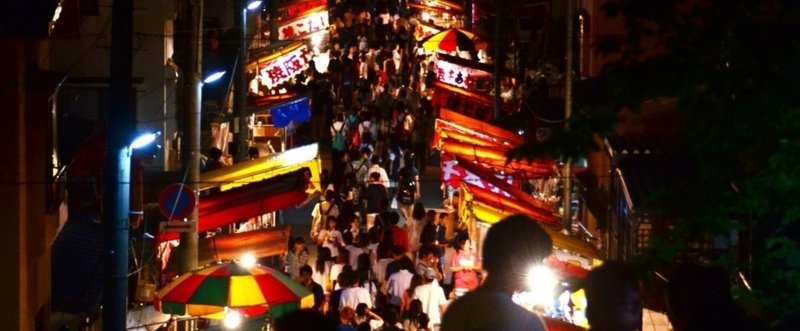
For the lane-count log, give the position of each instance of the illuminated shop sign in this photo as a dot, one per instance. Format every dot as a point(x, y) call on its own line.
point(453, 175)
point(279, 70)
point(299, 8)
point(305, 25)
point(463, 77)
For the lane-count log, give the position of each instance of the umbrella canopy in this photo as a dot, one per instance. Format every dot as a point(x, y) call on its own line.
point(209, 290)
point(451, 40)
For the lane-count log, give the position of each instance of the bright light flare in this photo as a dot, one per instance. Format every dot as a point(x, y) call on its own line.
point(144, 140)
point(254, 4)
point(426, 16)
point(248, 260)
point(214, 77)
point(232, 320)
point(542, 284)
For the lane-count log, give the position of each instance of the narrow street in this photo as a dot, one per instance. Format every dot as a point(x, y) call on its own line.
point(300, 218)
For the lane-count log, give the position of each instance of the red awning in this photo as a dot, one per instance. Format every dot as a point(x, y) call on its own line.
point(251, 200)
point(260, 243)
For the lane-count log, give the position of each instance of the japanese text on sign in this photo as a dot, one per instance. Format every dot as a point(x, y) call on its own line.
point(463, 77)
point(307, 24)
point(280, 70)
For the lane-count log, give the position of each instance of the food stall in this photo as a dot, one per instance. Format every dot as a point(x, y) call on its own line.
point(252, 189)
point(438, 12)
point(464, 86)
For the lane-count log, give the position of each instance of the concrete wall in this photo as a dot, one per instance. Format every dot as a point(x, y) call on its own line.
point(26, 226)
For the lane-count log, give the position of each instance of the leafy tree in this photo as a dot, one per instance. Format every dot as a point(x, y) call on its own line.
point(733, 66)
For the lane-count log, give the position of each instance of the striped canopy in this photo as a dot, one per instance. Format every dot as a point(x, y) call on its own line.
point(452, 40)
point(207, 291)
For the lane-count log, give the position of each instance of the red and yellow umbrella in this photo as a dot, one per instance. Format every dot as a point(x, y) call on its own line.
point(208, 291)
point(452, 40)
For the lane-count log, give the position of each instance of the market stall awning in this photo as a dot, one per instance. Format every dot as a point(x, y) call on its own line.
point(502, 186)
point(483, 128)
point(494, 210)
point(260, 243)
point(269, 195)
point(266, 167)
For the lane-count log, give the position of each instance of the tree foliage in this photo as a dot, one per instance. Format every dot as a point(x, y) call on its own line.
point(734, 68)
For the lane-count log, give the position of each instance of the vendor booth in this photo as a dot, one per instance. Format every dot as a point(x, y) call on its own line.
point(251, 189)
point(489, 187)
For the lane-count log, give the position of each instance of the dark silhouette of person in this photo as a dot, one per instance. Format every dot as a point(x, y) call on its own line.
point(612, 295)
point(511, 247)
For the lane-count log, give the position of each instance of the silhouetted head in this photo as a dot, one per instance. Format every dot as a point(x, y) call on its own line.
point(612, 295)
point(512, 246)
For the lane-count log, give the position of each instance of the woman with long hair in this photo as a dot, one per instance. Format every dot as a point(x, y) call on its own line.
point(322, 269)
point(411, 315)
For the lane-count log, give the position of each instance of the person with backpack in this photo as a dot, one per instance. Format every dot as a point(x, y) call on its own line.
point(408, 186)
point(324, 209)
point(366, 130)
point(338, 135)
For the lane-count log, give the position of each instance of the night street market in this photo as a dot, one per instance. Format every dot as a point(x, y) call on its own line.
point(401, 165)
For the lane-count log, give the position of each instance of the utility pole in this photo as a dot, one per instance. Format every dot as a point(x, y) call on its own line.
point(272, 9)
point(116, 199)
point(191, 141)
point(498, 64)
point(567, 221)
point(240, 85)
point(468, 14)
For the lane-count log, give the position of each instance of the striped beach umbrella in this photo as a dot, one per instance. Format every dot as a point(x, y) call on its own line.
point(249, 290)
point(451, 40)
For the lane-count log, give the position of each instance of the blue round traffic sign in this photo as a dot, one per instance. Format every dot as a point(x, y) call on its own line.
point(177, 201)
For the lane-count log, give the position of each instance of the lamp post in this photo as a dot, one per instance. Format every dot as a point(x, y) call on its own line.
point(240, 86)
point(116, 203)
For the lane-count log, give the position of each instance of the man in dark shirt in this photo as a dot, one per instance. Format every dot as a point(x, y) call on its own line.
point(376, 194)
point(316, 289)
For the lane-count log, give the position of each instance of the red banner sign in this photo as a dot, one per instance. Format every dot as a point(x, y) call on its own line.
point(453, 174)
point(299, 8)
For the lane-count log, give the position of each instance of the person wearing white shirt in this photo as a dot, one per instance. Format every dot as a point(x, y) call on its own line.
point(354, 295)
point(376, 167)
point(330, 237)
point(432, 298)
point(379, 267)
point(397, 284)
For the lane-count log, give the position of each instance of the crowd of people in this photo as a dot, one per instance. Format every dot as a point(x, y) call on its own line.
point(371, 273)
point(399, 293)
point(383, 275)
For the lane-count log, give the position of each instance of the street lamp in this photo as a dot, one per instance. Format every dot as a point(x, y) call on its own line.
point(254, 4)
point(144, 140)
point(240, 122)
point(213, 77)
point(116, 202)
